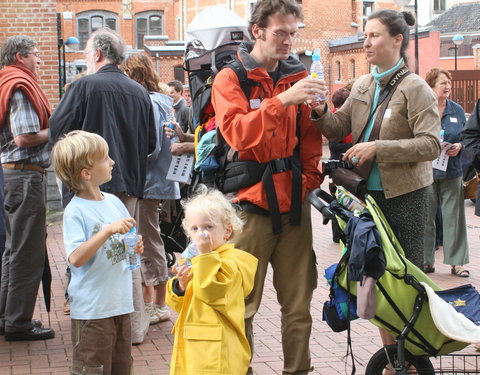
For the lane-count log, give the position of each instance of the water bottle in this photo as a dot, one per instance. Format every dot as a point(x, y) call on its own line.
point(171, 119)
point(317, 71)
point(130, 241)
point(190, 252)
point(442, 135)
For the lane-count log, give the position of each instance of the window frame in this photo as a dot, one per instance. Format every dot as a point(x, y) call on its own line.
point(147, 15)
point(89, 15)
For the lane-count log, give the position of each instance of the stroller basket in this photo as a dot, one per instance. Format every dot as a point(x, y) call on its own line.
point(457, 364)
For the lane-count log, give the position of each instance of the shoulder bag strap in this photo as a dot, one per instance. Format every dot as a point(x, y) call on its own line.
point(386, 92)
point(385, 96)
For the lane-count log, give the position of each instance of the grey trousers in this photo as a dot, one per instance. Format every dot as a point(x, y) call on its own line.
point(24, 257)
point(455, 245)
point(138, 318)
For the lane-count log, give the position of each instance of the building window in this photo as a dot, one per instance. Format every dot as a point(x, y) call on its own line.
point(179, 73)
point(251, 7)
point(439, 6)
point(367, 10)
point(339, 71)
point(88, 22)
point(352, 68)
point(147, 23)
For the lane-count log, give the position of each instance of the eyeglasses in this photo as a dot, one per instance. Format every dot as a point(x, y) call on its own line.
point(36, 54)
point(282, 35)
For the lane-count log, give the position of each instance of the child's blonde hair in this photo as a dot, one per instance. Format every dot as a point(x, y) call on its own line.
point(75, 151)
point(212, 204)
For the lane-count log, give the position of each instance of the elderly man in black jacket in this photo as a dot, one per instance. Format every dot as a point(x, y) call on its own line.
point(112, 105)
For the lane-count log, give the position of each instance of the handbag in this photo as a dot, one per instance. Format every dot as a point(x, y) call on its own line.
point(351, 181)
point(355, 180)
point(470, 188)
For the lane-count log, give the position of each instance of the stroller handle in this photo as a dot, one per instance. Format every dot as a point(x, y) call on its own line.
point(316, 198)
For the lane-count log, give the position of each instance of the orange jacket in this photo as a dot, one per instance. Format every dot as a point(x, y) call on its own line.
point(269, 131)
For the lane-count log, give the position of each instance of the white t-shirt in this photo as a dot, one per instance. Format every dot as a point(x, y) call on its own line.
point(102, 287)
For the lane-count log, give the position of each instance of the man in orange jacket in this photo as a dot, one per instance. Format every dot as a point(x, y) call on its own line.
point(264, 128)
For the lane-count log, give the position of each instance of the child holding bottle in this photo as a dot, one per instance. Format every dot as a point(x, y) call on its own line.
point(210, 295)
point(101, 285)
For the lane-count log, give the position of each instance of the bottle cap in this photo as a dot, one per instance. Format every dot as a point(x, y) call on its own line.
point(316, 55)
point(132, 230)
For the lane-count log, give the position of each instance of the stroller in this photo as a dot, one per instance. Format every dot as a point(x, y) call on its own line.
point(402, 306)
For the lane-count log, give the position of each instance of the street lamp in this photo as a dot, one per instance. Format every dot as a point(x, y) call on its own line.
point(403, 3)
point(73, 43)
point(458, 41)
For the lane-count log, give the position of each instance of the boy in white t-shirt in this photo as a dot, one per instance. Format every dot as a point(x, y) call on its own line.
point(93, 226)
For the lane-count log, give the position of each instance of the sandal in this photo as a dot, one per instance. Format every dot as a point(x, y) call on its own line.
point(460, 271)
point(428, 268)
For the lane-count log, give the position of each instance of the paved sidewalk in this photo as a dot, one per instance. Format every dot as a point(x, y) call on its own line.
point(152, 357)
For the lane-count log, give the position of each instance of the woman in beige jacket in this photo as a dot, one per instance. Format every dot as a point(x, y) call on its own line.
point(408, 139)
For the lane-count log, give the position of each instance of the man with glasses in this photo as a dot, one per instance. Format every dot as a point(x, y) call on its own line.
point(264, 128)
point(24, 112)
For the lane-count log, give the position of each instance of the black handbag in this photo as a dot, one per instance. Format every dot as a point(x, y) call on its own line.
point(355, 180)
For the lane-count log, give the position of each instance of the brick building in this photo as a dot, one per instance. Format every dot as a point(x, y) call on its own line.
point(35, 18)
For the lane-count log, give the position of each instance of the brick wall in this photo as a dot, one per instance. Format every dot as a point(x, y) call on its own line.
point(37, 19)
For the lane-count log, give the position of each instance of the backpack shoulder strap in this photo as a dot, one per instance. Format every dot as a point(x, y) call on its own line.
point(245, 83)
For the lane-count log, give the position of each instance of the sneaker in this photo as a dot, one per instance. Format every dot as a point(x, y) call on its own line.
point(152, 313)
point(163, 313)
point(66, 307)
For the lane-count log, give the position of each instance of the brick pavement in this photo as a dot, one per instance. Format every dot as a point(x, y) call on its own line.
point(152, 357)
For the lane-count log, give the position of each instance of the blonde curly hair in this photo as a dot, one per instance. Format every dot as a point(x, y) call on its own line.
point(215, 206)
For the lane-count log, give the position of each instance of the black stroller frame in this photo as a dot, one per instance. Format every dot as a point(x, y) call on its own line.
point(396, 356)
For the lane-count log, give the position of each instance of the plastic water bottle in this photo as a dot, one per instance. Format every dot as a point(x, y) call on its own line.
point(317, 71)
point(130, 241)
point(189, 253)
point(442, 135)
point(169, 123)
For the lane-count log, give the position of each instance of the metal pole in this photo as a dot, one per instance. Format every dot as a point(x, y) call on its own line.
point(456, 57)
point(64, 66)
point(416, 38)
point(59, 44)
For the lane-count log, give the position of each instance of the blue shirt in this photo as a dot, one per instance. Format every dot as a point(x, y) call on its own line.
point(102, 287)
point(453, 121)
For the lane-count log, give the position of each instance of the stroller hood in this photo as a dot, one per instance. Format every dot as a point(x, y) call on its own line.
point(213, 27)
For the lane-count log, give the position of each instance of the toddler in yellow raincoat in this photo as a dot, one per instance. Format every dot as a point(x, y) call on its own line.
point(210, 296)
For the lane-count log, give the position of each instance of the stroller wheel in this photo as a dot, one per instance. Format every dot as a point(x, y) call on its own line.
point(414, 365)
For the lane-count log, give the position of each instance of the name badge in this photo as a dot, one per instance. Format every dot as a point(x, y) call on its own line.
point(388, 113)
point(453, 119)
point(255, 103)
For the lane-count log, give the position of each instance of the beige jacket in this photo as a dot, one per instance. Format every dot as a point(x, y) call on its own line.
point(409, 134)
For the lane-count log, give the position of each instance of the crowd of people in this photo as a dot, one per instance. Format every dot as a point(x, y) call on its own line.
point(110, 149)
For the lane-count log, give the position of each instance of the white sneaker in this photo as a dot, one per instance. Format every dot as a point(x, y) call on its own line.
point(152, 313)
point(163, 313)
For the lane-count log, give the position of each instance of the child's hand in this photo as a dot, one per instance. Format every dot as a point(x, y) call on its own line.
point(139, 247)
point(121, 226)
point(184, 275)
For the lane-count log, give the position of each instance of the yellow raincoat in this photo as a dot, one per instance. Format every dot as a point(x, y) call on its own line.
point(210, 329)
